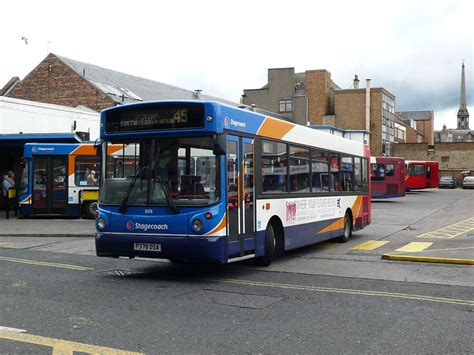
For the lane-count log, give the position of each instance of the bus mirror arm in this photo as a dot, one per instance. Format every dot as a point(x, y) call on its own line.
point(98, 147)
point(219, 144)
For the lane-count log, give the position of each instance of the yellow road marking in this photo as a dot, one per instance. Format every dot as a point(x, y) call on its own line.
point(451, 231)
point(347, 291)
point(62, 347)
point(328, 245)
point(428, 259)
point(370, 245)
point(45, 263)
point(415, 247)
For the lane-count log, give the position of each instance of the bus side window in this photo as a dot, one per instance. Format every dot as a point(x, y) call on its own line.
point(389, 170)
point(377, 172)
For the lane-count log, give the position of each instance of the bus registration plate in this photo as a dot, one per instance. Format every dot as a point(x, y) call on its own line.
point(147, 246)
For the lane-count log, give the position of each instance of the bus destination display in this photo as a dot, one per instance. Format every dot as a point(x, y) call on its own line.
point(158, 118)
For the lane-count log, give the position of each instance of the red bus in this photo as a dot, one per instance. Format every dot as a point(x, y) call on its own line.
point(387, 175)
point(421, 174)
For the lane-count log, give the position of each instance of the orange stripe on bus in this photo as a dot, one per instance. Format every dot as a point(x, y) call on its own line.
point(339, 224)
point(274, 128)
point(220, 226)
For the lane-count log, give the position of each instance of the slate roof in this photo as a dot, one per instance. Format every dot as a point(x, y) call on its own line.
point(121, 87)
point(415, 115)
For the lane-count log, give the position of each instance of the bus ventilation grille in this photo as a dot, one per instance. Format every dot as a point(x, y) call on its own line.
point(234, 299)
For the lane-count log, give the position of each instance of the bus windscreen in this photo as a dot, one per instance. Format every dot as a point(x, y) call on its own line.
point(152, 117)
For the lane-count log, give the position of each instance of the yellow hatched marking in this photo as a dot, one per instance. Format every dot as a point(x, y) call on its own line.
point(328, 245)
point(370, 245)
point(451, 231)
point(62, 346)
point(415, 247)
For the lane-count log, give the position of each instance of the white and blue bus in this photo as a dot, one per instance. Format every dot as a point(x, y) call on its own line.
point(59, 179)
point(202, 181)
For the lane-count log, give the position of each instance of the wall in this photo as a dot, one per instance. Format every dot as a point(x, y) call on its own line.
point(54, 82)
point(318, 90)
point(452, 157)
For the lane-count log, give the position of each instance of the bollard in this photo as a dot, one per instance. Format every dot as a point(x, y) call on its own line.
point(11, 196)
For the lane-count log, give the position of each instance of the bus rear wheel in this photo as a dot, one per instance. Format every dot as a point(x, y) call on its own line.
point(270, 247)
point(347, 234)
point(88, 209)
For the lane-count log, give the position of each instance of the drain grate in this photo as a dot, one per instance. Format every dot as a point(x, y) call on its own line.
point(242, 300)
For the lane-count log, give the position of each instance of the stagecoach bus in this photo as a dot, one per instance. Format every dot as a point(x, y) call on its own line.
point(59, 179)
point(421, 174)
point(209, 182)
point(387, 175)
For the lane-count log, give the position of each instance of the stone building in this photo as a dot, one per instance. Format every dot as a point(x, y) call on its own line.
point(462, 133)
point(313, 98)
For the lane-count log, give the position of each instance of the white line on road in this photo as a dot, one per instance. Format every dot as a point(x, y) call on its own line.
point(16, 330)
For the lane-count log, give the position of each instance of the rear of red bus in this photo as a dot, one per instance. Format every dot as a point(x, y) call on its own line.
point(432, 174)
point(387, 177)
point(415, 178)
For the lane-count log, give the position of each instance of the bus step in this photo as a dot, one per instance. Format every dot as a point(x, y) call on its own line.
point(240, 258)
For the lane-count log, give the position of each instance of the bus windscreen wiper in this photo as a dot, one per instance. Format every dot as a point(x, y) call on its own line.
point(123, 205)
point(168, 197)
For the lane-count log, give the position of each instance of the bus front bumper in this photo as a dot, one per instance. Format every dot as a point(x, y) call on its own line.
point(193, 249)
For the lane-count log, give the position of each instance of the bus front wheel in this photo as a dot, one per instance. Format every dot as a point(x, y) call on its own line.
point(270, 247)
point(347, 233)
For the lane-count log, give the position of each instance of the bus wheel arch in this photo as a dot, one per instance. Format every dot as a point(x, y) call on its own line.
point(274, 242)
point(348, 227)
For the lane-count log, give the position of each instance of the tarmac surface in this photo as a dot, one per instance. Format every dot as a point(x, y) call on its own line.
point(435, 226)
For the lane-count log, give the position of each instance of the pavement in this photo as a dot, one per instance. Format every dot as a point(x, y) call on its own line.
point(15, 227)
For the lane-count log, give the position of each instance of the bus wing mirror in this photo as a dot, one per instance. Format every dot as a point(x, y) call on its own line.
point(23, 162)
point(219, 144)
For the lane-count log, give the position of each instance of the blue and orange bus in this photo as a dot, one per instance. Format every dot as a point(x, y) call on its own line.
point(202, 181)
point(387, 175)
point(59, 179)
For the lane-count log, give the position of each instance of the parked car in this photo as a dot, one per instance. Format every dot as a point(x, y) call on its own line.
point(447, 181)
point(468, 182)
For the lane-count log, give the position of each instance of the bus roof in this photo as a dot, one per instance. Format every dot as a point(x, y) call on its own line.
point(234, 119)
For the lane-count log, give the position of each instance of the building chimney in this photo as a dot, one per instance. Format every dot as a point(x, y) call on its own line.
point(356, 81)
point(197, 93)
point(367, 106)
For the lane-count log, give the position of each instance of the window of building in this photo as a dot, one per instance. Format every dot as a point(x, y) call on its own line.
point(274, 167)
point(87, 171)
point(285, 105)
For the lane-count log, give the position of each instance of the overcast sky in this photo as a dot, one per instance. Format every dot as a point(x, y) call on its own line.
point(414, 49)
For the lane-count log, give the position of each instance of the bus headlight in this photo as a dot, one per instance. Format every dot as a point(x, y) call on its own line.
point(197, 225)
point(101, 223)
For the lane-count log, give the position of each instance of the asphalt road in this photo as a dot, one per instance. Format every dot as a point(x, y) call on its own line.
point(328, 298)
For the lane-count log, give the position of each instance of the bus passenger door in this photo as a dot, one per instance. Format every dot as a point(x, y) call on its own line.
point(240, 197)
point(49, 184)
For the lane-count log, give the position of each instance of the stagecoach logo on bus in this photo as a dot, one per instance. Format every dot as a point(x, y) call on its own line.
point(230, 122)
point(145, 226)
point(42, 149)
point(305, 210)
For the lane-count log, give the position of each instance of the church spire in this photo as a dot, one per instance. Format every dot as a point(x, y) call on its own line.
point(463, 115)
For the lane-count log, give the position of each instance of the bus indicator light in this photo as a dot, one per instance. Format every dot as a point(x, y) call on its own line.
point(208, 215)
point(267, 205)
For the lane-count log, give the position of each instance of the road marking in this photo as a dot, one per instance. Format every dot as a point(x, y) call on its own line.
point(428, 259)
point(8, 329)
point(469, 303)
point(451, 231)
point(328, 245)
point(370, 245)
point(62, 346)
point(45, 263)
point(414, 247)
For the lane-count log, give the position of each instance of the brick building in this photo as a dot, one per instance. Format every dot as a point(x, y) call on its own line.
point(422, 122)
point(63, 81)
point(313, 98)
